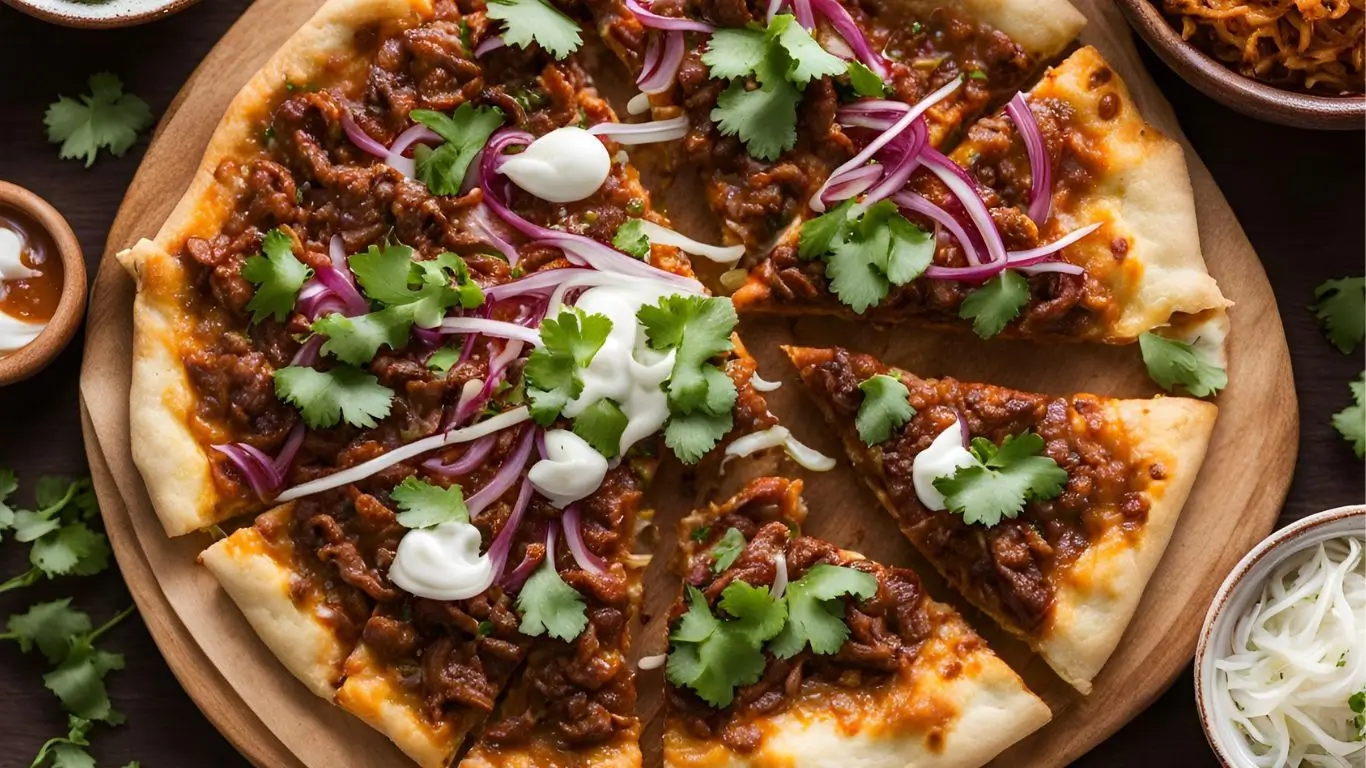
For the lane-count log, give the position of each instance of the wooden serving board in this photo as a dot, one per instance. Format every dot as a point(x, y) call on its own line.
point(274, 721)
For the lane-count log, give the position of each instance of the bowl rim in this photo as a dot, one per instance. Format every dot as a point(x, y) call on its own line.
point(1276, 546)
point(1235, 90)
point(86, 22)
point(35, 356)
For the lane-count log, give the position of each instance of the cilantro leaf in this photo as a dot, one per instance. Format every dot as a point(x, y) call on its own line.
point(569, 343)
point(443, 359)
point(815, 612)
point(765, 118)
point(277, 274)
point(550, 606)
point(8, 484)
point(48, 627)
point(601, 425)
point(697, 328)
point(79, 681)
point(74, 549)
point(106, 119)
point(735, 52)
point(865, 81)
point(809, 61)
point(1350, 422)
point(1341, 305)
point(67, 752)
point(910, 249)
point(997, 302)
point(526, 21)
point(727, 550)
point(466, 131)
point(343, 393)
point(1173, 363)
point(713, 656)
point(630, 238)
point(690, 436)
point(1003, 480)
point(886, 406)
point(819, 235)
point(356, 340)
point(854, 276)
point(425, 505)
point(867, 252)
point(384, 272)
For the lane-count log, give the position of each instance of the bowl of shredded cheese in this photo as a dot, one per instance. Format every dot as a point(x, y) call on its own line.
point(1280, 667)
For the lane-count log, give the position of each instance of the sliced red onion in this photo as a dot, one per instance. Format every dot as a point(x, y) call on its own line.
point(806, 456)
point(648, 18)
point(886, 136)
point(502, 543)
point(659, 235)
point(256, 468)
point(877, 114)
point(905, 158)
point(382, 462)
point(506, 476)
point(844, 24)
point(1041, 254)
point(478, 222)
point(1062, 267)
point(498, 329)
point(540, 283)
point(915, 203)
point(285, 458)
point(406, 165)
point(516, 578)
point(852, 184)
point(308, 353)
point(804, 14)
point(962, 188)
point(497, 368)
point(360, 138)
point(779, 576)
point(1040, 165)
point(661, 65)
point(473, 458)
point(773, 7)
point(643, 133)
point(490, 43)
point(341, 286)
point(572, 520)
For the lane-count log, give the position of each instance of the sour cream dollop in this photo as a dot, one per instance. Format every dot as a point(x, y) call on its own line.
point(15, 333)
point(563, 166)
point(944, 456)
point(570, 470)
point(442, 562)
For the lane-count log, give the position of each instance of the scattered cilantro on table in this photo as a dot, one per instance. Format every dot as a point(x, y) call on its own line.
point(1341, 306)
point(767, 69)
point(528, 21)
point(61, 542)
point(277, 274)
point(466, 131)
point(1173, 363)
point(107, 118)
point(815, 611)
point(994, 304)
point(886, 406)
point(866, 252)
point(630, 238)
point(727, 550)
point(701, 395)
point(568, 342)
point(1350, 422)
point(341, 393)
point(423, 505)
point(1002, 480)
point(549, 606)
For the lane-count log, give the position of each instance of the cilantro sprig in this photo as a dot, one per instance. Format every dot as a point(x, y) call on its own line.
point(277, 274)
point(701, 396)
point(1002, 480)
point(1173, 364)
point(466, 131)
point(768, 69)
point(528, 21)
point(341, 393)
point(727, 549)
point(995, 303)
point(424, 505)
point(886, 406)
point(549, 606)
point(815, 610)
point(1341, 306)
point(107, 118)
point(568, 343)
point(1350, 422)
point(61, 541)
point(866, 252)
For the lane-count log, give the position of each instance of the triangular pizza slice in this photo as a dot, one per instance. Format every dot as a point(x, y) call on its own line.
point(787, 650)
point(1048, 513)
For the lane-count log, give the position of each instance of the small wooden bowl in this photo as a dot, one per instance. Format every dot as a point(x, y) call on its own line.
point(1251, 97)
point(32, 358)
point(105, 15)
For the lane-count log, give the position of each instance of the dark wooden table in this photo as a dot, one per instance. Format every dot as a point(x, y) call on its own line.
point(1298, 194)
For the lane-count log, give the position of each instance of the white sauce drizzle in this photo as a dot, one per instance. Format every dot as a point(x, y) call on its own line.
point(944, 456)
point(441, 562)
point(803, 454)
point(1296, 658)
point(563, 166)
point(570, 470)
point(15, 333)
point(761, 384)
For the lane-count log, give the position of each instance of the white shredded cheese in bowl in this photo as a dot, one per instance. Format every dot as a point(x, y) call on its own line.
point(1292, 679)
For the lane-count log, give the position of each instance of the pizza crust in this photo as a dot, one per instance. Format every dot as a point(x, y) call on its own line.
point(373, 693)
point(259, 575)
point(1042, 27)
point(1099, 595)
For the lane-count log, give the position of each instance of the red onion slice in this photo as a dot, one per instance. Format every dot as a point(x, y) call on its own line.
point(915, 203)
point(496, 328)
point(848, 29)
point(852, 184)
point(505, 477)
point(962, 188)
point(254, 466)
point(490, 43)
point(308, 353)
point(1040, 165)
point(773, 7)
point(502, 543)
point(886, 136)
point(643, 133)
point(473, 458)
point(573, 537)
point(285, 458)
point(360, 138)
point(661, 70)
point(963, 431)
point(479, 224)
point(648, 18)
point(1052, 266)
point(1042, 253)
point(515, 579)
point(536, 284)
point(806, 17)
point(908, 147)
point(406, 165)
point(497, 368)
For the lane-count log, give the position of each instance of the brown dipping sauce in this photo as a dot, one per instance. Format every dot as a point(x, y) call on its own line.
point(33, 299)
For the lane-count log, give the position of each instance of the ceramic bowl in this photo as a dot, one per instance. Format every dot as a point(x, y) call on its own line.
point(100, 15)
point(1239, 591)
point(1251, 97)
point(35, 356)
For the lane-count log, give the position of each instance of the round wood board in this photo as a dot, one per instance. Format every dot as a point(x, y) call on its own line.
point(275, 722)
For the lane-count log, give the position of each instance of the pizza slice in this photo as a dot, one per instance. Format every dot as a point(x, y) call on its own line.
point(1048, 513)
point(787, 650)
point(1100, 246)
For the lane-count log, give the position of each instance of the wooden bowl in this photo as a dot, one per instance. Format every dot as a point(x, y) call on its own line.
point(35, 356)
point(101, 15)
point(1251, 97)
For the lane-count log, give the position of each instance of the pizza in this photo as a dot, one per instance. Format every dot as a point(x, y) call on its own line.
point(1047, 513)
point(788, 650)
